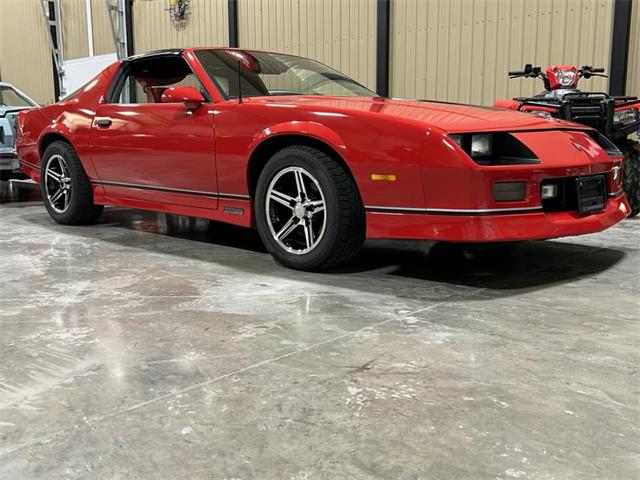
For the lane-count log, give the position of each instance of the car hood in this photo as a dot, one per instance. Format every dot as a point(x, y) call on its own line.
point(451, 117)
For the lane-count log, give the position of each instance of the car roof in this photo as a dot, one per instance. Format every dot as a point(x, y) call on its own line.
point(165, 52)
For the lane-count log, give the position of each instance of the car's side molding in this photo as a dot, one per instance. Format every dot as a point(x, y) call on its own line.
point(452, 211)
point(172, 190)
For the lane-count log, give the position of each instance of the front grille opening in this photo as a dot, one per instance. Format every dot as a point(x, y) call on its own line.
point(569, 199)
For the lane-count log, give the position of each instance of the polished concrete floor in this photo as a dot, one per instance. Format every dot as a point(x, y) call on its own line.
point(150, 346)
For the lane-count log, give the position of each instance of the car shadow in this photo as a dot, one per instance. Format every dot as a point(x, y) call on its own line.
point(504, 269)
point(508, 268)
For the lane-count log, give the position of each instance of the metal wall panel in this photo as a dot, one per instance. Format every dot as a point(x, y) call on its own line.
point(339, 33)
point(206, 25)
point(74, 29)
point(461, 50)
point(25, 56)
point(102, 36)
point(633, 69)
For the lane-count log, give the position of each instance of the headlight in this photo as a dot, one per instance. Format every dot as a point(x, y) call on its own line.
point(625, 117)
point(565, 77)
point(542, 113)
point(481, 145)
point(491, 149)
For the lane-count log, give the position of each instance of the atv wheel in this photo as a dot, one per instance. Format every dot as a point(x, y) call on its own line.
point(631, 151)
point(65, 188)
point(308, 210)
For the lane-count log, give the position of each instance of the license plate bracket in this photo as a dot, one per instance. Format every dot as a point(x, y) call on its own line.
point(592, 193)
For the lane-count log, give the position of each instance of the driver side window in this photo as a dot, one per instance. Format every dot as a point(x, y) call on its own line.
point(146, 80)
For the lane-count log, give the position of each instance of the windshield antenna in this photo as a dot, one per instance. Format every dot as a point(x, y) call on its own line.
point(239, 84)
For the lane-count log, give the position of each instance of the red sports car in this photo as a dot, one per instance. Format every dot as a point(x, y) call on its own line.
point(314, 160)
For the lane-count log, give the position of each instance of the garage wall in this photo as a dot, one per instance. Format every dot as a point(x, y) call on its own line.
point(633, 69)
point(206, 25)
point(25, 55)
point(341, 34)
point(102, 36)
point(74, 28)
point(465, 47)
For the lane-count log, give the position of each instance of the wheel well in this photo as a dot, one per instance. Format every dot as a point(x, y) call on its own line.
point(269, 147)
point(48, 139)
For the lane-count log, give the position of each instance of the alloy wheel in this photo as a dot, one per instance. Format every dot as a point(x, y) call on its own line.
point(57, 183)
point(296, 210)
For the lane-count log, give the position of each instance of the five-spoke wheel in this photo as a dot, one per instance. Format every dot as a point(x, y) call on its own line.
point(295, 210)
point(57, 183)
point(308, 209)
point(65, 187)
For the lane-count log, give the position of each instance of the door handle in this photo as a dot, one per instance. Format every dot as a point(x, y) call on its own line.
point(102, 122)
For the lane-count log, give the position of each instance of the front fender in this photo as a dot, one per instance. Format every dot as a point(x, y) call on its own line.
point(313, 130)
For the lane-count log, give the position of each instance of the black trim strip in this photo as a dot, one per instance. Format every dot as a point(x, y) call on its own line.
point(382, 47)
point(128, 25)
point(29, 164)
point(232, 10)
point(234, 196)
point(620, 47)
point(468, 213)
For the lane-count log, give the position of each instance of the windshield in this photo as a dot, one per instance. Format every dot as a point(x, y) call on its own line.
point(256, 74)
point(10, 98)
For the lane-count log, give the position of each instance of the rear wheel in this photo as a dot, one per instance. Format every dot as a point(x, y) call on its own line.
point(308, 210)
point(65, 187)
point(631, 151)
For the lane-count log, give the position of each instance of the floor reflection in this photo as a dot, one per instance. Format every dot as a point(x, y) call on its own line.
point(503, 267)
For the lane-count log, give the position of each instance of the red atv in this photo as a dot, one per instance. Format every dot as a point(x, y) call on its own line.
point(615, 117)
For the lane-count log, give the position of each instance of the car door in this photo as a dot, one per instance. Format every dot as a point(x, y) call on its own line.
point(146, 150)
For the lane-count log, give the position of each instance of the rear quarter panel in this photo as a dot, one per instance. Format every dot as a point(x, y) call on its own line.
point(70, 119)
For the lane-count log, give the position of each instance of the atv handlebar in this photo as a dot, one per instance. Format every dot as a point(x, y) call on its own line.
point(586, 71)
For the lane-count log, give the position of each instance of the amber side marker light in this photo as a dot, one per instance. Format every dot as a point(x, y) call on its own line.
point(383, 177)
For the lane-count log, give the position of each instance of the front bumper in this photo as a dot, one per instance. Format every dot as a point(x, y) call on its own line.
point(494, 228)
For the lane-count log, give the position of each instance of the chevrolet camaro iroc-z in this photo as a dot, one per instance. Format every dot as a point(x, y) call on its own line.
point(311, 158)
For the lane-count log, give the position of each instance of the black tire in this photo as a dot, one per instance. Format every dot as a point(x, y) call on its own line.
point(80, 210)
point(344, 230)
point(631, 151)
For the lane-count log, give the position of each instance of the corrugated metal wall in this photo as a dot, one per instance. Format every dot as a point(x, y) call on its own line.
point(207, 24)
point(74, 29)
point(341, 34)
point(633, 69)
point(25, 57)
point(461, 50)
point(102, 36)
point(457, 50)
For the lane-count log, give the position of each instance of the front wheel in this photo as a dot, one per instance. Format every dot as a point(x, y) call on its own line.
point(308, 210)
point(631, 151)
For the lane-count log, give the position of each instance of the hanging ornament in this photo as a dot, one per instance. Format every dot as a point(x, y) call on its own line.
point(178, 10)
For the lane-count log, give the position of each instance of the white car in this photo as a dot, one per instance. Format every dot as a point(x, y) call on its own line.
point(12, 101)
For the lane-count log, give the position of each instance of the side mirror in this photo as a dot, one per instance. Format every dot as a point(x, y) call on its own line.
point(190, 96)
